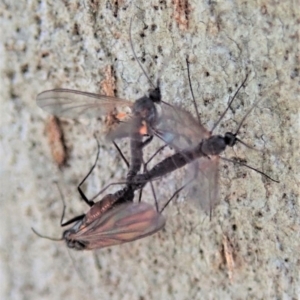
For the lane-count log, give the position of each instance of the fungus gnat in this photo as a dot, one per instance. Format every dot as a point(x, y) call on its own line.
point(113, 220)
point(197, 146)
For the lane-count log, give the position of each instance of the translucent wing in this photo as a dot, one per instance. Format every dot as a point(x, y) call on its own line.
point(203, 190)
point(179, 128)
point(122, 130)
point(74, 104)
point(124, 223)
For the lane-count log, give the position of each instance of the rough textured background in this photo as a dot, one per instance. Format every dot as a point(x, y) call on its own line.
point(47, 44)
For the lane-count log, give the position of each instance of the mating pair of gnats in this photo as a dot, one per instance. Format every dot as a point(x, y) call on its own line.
point(116, 218)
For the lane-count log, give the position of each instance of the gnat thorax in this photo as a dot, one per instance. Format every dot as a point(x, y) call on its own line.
point(145, 109)
point(214, 145)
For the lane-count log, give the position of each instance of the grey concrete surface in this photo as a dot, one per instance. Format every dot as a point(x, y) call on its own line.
point(250, 248)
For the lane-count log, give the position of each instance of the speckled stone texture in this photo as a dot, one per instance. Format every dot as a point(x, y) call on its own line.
point(250, 248)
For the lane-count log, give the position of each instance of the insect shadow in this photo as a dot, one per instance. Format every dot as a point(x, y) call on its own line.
point(113, 220)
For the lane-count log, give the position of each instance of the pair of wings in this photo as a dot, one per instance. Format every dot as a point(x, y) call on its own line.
point(121, 224)
point(176, 127)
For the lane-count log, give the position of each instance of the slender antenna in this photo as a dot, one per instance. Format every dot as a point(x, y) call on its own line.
point(245, 144)
point(134, 54)
point(246, 115)
point(223, 114)
point(46, 237)
point(191, 88)
point(61, 219)
point(245, 165)
point(141, 66)
point(63, 201)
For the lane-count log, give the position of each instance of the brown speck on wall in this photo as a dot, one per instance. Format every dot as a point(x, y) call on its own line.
point(108, 85)
point(56, 141)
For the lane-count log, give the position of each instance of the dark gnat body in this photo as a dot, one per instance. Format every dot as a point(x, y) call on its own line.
point(214, 145)
point(108, 202)
point(113, 220)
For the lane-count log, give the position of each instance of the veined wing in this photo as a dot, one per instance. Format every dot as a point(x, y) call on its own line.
point(122, 130)
point(74, 104)
point(203, 190)
point(124, 223)
point(179, 128)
